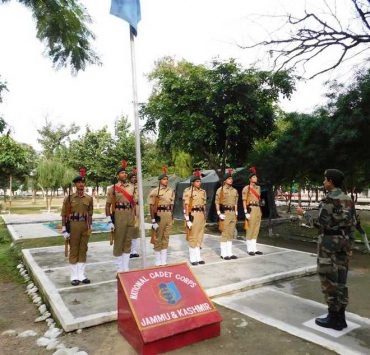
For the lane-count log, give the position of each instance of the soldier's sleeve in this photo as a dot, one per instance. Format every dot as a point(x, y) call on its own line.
point(325, 215)
point(245, 193)
point(63, 211)
point(172, 197)
point(186, 197)
point(151, 197)
point(91, 207)
point(109, 195)
point(217, 199)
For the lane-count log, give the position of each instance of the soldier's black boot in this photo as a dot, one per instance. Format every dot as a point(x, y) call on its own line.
point(342, 317)
point(330, 321)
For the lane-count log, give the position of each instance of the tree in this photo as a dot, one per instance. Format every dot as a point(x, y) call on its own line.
point(54, 138)
point(15, 160)
point(182, 163)
point(61, 25)
point(2, 89)
point(52, 175)
point(314, 34)
point(213, 113)
point(93, 151)
point(335, 136)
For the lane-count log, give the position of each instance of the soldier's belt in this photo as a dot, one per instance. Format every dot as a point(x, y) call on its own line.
point(228, 208)
point(342, 231)
point(197, 209)
point(77, 218)
point(123, 206)
point(254, 204)
point(164, 208)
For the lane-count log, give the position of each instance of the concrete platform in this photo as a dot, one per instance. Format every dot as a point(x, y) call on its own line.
point(88, 305)
point(296, 316)
point(46, 225)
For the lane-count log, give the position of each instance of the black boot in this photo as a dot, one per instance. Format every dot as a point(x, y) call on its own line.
point(330, 321)
point(342, 317)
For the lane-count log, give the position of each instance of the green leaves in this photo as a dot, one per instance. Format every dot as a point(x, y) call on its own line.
point(213, 112)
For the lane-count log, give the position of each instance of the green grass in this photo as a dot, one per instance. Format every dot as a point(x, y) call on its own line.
point(9, 257)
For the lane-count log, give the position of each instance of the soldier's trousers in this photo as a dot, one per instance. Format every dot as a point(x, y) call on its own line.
point(78, 242)
point(254, 223)
point(332, 267)
point(124, 228)
point(229, 226)
point(162, 235)
point(197, 230)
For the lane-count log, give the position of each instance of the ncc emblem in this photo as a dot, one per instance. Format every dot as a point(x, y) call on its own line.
point(169, 292)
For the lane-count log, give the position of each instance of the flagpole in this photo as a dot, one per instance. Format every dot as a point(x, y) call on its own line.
point(138, 149)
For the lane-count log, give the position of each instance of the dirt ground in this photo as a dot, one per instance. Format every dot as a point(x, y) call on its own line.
point(239, 334)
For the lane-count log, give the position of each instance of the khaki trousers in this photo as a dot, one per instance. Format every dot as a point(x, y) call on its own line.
point(229, 226)
point(124, 229)
point(162, 235)
point(254, 223)
point(197, 229)
point(78, 242)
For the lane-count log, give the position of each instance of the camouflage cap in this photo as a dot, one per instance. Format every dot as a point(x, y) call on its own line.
point(335, 175)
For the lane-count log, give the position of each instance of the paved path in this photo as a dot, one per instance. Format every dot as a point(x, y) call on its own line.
point(87, 305)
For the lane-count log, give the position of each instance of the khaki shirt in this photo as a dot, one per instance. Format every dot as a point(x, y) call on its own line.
point(166, 196)
point(246, 194)
point(79, 205)
point(120, 197)
point(199, 197)
point(231, 196)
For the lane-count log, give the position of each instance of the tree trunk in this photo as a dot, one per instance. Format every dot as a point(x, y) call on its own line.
point(97, 196)
point(299, 195)
point(290, 197)
point(316, 195)
point(33, 196)
point(10, 190)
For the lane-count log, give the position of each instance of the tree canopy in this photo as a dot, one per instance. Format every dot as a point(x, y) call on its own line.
point(214, 113)
point(62, 27)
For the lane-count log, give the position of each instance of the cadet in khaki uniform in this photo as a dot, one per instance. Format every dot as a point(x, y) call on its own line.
point(196, 219)
point(76, 215)
point(123, 195)
point(161, 215)
point(251, 196)
point(135, 242)
point(227, 209)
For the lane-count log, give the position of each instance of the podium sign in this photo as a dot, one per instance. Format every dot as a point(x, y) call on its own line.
point(164, 308)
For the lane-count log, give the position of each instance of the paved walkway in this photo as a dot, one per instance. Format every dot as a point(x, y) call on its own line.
point(87, 305)
point(296, 315)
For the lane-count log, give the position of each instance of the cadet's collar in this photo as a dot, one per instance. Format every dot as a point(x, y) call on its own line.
point(164, 187)
point(227, 186)
point(80, 194)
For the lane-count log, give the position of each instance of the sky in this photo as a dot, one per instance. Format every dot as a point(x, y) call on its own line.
point(195, 30)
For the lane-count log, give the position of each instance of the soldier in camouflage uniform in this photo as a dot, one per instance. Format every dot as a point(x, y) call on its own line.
point(335, 221)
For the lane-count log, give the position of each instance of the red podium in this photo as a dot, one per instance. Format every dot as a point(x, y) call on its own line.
point(164, 308)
